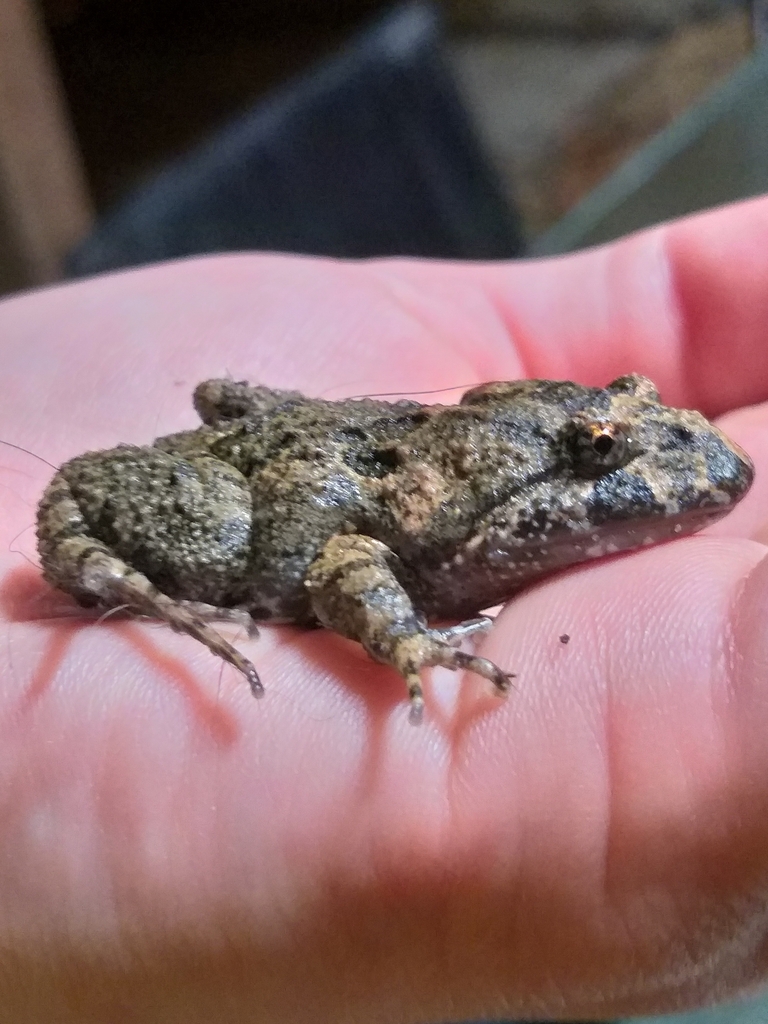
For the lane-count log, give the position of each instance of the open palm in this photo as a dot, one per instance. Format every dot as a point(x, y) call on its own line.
point(597, 845)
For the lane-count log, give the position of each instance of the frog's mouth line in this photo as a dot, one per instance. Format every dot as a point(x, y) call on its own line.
point(626, 535)
point(512, 569)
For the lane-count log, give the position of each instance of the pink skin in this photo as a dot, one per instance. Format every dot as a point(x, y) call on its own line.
point(597, 845)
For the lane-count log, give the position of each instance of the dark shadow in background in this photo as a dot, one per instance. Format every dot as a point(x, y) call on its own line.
point(371, 154)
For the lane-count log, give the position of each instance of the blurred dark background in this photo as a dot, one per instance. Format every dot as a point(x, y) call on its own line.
point(135, 130)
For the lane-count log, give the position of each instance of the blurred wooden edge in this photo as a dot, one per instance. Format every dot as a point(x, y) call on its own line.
point(44, 203)
point(671, 80)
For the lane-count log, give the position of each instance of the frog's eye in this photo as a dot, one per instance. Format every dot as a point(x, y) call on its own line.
point(598, 446)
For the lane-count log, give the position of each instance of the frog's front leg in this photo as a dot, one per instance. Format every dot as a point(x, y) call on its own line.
point(355, 592)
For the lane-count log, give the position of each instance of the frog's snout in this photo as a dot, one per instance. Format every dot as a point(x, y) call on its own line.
point(729, 468)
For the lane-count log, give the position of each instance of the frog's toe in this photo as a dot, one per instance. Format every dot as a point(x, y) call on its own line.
point(411, 654)
point(416, 695)
point(455, 635)
point(460, 660)
point(238, 616)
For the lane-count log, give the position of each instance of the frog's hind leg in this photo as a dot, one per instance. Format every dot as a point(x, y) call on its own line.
point(238, 616)
point(354, 591)
point(77, 562)
point(110, 582)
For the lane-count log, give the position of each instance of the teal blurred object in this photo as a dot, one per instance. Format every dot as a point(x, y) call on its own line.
point(715, 153)
point(752, 1012)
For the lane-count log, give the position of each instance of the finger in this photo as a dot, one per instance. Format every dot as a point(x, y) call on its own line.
point(749, 428)
point(589, 316)
point(686, 303)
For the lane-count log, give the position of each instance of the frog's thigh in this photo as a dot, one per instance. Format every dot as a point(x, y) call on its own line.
point(76, 559)
point(184, 520)
point(354, 592)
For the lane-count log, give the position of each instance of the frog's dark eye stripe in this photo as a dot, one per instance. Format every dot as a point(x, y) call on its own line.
point(597, 446)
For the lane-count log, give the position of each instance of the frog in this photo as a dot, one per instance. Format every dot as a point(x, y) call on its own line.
point(397, 525)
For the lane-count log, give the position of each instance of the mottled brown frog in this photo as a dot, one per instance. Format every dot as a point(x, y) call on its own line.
point(373, 518)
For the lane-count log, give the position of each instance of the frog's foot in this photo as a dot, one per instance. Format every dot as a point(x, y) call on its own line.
point(238, 616)
point(354, 591)
point(410, 654)
point(100, 577)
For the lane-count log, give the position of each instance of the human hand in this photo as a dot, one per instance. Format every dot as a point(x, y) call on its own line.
point(595, 846)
